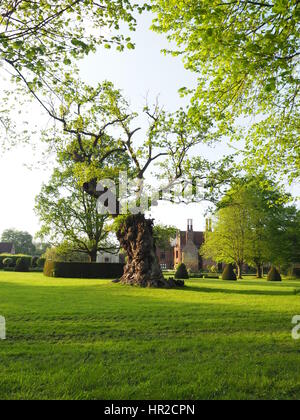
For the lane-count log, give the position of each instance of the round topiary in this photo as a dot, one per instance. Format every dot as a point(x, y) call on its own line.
point(274, 275)
point(181, 272)
point(8, 262)
point(22, 265)
point(228, 273)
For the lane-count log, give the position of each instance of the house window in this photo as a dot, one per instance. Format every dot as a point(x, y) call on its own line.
point(177, 255)
point(107, 260)
point(163, 255)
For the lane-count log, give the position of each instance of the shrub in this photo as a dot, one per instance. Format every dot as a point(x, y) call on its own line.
point(41, 262)
point(274, 275)
point(83, 270)
point(8, 262)
point(181, 272)
point(14, 258)
point(210, 276)
point(64, 254)
point(22, 265)
point(49, 268)
point(228, 273)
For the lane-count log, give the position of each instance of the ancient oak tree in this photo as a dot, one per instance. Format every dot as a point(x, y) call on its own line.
point(101, 136)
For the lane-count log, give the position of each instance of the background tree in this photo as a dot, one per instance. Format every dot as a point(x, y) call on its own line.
point(22, 241)
point(284, 238)
point(263, 202)
point(253, 221)
point(246, 56)
point(41, 248)
point(70, 217)
point(227, 243)
point(164, 235)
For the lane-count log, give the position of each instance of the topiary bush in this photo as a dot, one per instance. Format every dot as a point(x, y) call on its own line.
point(274, 275)
point(14, 258)
point(181, 272)
point(228, 273)
point(22, 265)
point(8, 263)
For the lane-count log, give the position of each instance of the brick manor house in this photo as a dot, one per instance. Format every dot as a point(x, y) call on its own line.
point(185, 249)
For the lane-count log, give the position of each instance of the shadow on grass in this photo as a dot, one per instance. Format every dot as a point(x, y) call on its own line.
point(238, 291)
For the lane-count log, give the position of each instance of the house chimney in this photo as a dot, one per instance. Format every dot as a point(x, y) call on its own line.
point(190, 231)
point(190, 225)
point(208, 225)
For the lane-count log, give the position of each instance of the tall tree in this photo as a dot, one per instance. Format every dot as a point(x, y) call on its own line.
point(246, 56)
point(227, 243)
point(98, 125)
point(71, 217)
point(254, 226)
point(22, 241)
point(284, 238)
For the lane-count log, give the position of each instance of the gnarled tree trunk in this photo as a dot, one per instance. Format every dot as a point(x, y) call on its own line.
point(136, 238)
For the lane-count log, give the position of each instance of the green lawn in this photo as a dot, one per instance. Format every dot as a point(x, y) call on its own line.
point(97, 340)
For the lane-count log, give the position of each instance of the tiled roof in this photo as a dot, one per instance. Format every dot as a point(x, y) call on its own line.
point(6, 248)
point(198, 238)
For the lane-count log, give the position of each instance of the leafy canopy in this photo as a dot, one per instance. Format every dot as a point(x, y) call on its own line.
point(246, 54)
point(42, 41)
point(164, 235)
point(48, 33)
point(97, 131)
point(70, 217)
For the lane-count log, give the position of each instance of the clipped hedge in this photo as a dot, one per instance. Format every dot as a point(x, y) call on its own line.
point(83, 270)
point(14, 259)
point(22, 265)
point(204, 276)
point(8, 263)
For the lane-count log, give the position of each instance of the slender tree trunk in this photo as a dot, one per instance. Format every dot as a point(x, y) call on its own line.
point(259, 272)
point(142, 268)
point(240, 270)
